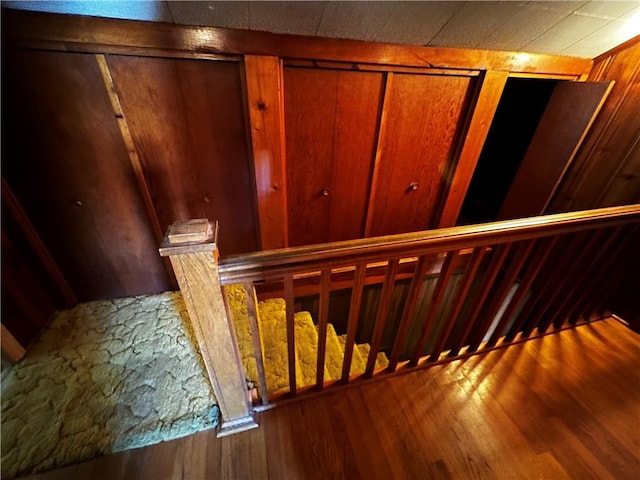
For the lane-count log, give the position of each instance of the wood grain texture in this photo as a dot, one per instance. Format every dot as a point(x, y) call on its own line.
point(331, 130)
point(26, 306)
point(65, 160)
point(561, 406)
point(264, 90)
point(187, 122)
point(571, 110)
point(266, 265)
point(99, 34)
point(607, 166)
point(423, 116)
point(491, 88)
point(11, 348)
point(199, 283)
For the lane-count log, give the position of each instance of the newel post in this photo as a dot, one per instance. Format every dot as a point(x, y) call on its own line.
point(191, 247)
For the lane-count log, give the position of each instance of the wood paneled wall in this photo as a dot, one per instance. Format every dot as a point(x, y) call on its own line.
point(606, 170)
point(118, 128)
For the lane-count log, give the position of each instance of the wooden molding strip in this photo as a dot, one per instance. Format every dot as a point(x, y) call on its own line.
point(10, 346)
point(20, 27)
point(12, 203)
point(493, 84)
point(263, 76)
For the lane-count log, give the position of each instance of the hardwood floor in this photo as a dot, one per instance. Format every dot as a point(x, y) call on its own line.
point(562, 406)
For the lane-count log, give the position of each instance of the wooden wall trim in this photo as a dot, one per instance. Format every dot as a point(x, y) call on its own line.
point(376, 161)
point(263, 77)
point(70, 31)
point(493, 83)
point(12, 203)
point(11, 347)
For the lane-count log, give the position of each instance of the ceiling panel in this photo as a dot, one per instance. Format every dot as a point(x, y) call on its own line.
point(299, 18)
point(356, 20)
point(568, 31)
point(219, 14)
point(581, 28)
point(412, 23)
point(474, 22)
point(529, 23)
point(613, 33)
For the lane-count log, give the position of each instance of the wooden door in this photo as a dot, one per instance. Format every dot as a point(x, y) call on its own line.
point(66, 162)
point(571, 110)
point(187, 122)
point(422, 117)
point(331, 124)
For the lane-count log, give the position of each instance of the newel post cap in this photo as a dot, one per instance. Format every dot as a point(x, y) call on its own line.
point(190, 236)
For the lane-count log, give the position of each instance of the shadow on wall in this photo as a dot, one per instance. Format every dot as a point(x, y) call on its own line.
point(105, 377)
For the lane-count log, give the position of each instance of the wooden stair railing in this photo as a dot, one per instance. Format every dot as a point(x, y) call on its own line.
point(513, 277)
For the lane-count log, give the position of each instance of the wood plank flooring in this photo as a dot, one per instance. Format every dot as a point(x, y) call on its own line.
point(562, 406)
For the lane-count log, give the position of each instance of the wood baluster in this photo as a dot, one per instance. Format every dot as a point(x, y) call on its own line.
point(354, 316)
point(592, 290)
point(470, 272)
point(253, 313)
point(538, 260)
point(381, 316)
point(291, 340)
point(325, 295)
point(408, 311)
point(494, 267)
point(576, 287)
point(434, 307)
point(553, 281)
point(520, 257)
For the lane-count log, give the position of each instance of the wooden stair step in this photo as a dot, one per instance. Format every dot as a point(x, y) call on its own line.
point(273, 334)
point(334, 355)
point(381, 358)
point(306, 337)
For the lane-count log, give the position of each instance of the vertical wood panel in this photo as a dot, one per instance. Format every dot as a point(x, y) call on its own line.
point(331, 126)
point(423, 115)
point(493, 84)
point(605, 163)
point(566, 120)
point(264, 85)
point(66, 162)
point(187, 122)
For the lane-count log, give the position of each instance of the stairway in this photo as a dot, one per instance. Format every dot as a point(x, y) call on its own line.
point(273, 341)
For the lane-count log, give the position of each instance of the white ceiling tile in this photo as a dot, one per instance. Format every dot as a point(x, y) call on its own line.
point(300, 18)
point(214, 14)
point(609, 10)
point(416, 23)
point(528, 24)
point(608, 37)
point(475, 22)
point(126, 9)
point(356, 20)
point(568, 31)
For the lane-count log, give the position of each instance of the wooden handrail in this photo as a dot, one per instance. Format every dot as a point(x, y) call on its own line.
point(274, 263)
